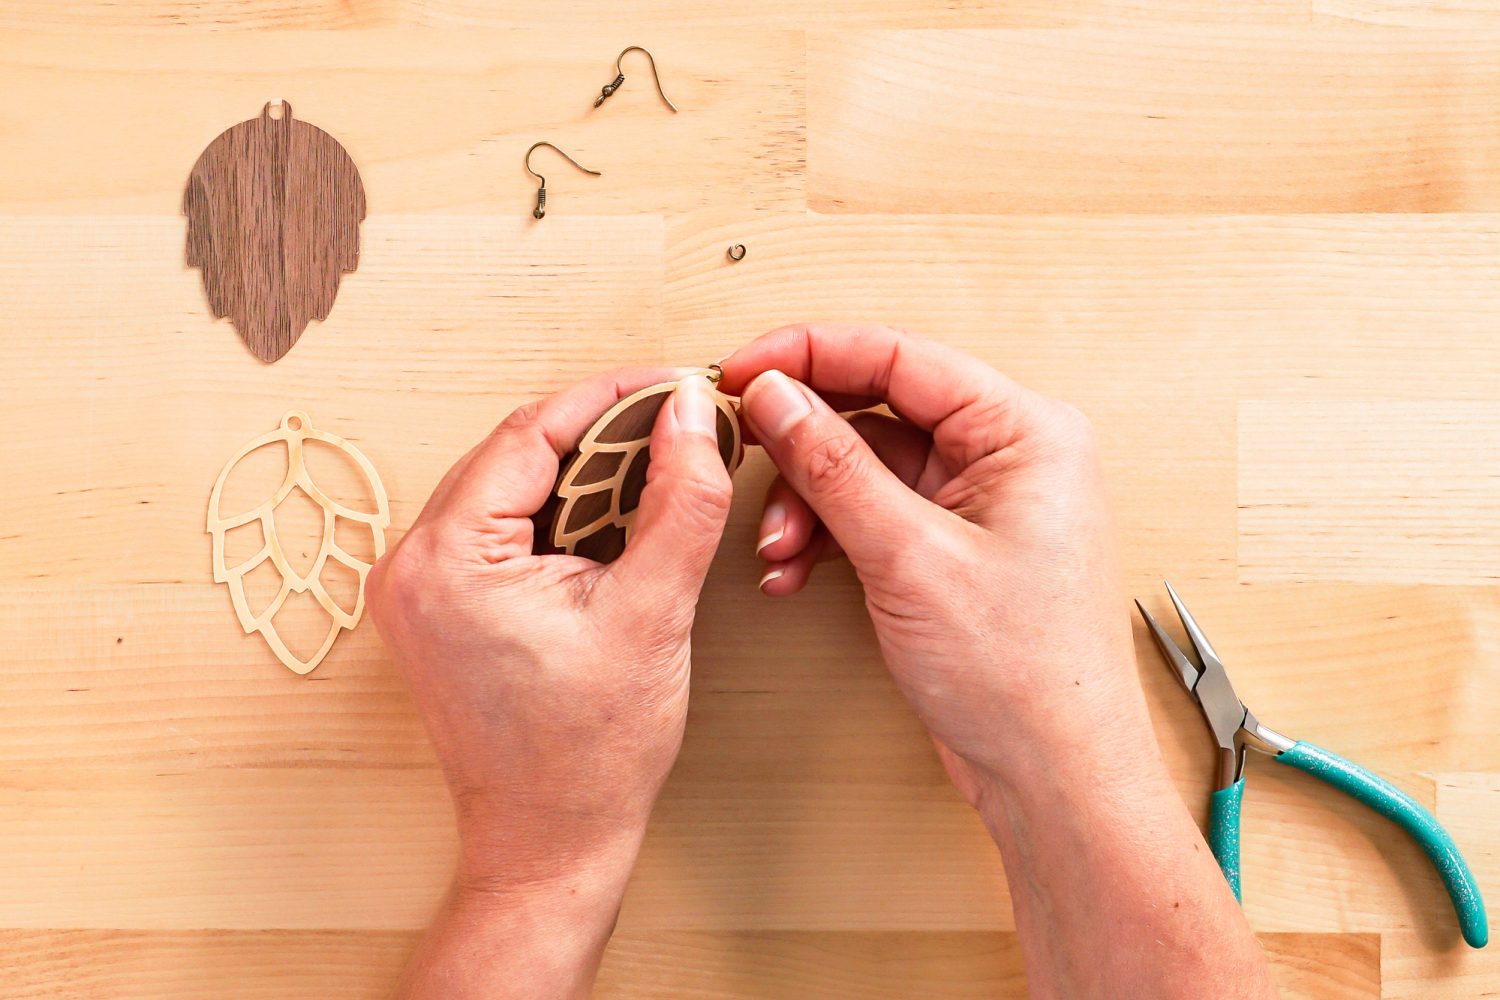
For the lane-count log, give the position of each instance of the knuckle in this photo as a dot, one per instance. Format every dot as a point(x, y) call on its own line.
point(1077, 421)
point(991, 411)
point(987, 424)
point(418, 575)
point(396, 580)
point(1070, 429)
point(522, 415)
point(832, 464)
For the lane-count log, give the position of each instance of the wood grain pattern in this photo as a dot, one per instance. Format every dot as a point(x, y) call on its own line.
point(438, 122)
point(1112, 120)
point(239, 15)
point(273, 206)
point(188, 965)
point(1257, 243)
point(347, 965)
point(1400, 491)
point(1413, 13)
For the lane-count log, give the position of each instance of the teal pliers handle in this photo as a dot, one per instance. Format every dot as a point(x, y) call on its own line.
point(1395, 805)
point(1224, 831)
point(1380, 795)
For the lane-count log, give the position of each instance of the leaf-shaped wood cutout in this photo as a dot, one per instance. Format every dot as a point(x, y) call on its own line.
point(274, 207)
point(600, 486)
point(296, 429)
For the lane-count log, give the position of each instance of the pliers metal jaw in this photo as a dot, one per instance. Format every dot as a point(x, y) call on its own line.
point(1233, 725)
point(1236, 730)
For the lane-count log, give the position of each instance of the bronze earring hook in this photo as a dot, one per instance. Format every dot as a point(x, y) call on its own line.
point(541, 191)
point(611, 87)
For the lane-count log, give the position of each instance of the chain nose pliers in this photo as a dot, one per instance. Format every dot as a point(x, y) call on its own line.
point(1236, 729)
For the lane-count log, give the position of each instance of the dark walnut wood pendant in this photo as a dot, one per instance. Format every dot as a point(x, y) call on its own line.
point(274, 207)
point(600, 486)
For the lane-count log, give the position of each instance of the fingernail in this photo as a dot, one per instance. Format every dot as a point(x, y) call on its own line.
point(694, 407)
point(773, 403)
point(775, 574)
point(772, 527)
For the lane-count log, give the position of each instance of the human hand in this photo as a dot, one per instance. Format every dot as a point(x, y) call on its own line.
point(977, 522)
point(978, 525)
point(554, 689)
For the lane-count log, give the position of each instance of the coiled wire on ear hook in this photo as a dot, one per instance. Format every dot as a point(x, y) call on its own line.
point(614, 85)
point(609, 88)
point(541, 192)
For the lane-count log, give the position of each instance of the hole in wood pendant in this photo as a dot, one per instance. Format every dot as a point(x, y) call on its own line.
point(600, 486)
point(285, 514)
point(273, 206)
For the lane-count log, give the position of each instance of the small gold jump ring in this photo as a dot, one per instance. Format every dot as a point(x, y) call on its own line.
point(737, 252)
point(715, 374)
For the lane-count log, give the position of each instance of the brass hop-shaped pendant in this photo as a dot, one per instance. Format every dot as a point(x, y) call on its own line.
point(600, 487)
point(298, 435)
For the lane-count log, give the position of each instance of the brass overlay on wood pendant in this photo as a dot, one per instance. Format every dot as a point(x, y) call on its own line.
point(296, 432)
point(274, 207)
point(600, 486)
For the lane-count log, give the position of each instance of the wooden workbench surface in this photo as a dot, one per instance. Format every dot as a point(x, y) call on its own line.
point(1259, 243)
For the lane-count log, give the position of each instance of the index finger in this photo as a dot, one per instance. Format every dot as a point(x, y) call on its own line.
point(971, 409)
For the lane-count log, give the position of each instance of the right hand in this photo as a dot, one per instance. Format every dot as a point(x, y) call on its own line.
point(978, 525)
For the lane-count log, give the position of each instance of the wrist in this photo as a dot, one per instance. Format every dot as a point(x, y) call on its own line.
point(571, 912)
point(528, 864)
point(515, 942)
point(1072, 753)
point(531, 909)
point(1067, 720)
point(1089, 781)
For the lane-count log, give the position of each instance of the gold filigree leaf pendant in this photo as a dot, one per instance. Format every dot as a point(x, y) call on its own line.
point(600, 486)
point(273, 500)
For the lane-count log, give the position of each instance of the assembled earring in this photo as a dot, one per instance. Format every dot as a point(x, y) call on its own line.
point(594, 504)
point(614, 85)
point(541, 192)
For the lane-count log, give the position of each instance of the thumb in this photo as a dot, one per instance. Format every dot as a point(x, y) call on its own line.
point(685, 502)
point(866, 508)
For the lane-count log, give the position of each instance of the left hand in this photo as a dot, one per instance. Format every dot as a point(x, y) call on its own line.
point(555, 688)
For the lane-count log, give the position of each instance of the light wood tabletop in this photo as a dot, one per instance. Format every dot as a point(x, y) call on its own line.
point(1258, 243)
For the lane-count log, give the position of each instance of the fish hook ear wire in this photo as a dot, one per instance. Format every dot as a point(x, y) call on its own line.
point(614, 85)
point(541, 192)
